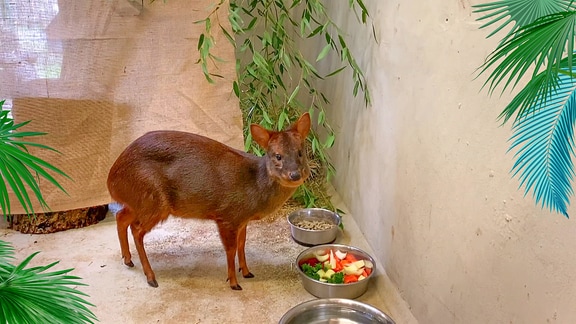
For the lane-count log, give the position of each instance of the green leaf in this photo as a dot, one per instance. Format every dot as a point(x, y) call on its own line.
point(518, 13)
point(294, 93)
point(315, 145)
point(330, 141)
point(228, 36)
point(13, 183)
point(270, 37)
point(200, 41)
point(335, 72)
point(236, 89)
point(282, 119)
point(260, 61)
point(316, 31)
point(248, 142)
point(323, 52)
point(6, 252)
point(17, 165)
point(33, 295)
point(342, 42)
point(251, 24)
point(533, 48)
point(36, 164)
point(295, 3)
point(364, 10)
point(267, 117)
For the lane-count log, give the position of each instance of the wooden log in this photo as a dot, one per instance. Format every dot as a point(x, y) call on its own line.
point(44, 223)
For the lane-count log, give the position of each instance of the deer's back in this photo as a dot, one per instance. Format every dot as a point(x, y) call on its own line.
point(189, 175)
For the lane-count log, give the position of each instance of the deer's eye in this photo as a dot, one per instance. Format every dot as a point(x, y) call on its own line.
point(299, 153)
point(278, 157)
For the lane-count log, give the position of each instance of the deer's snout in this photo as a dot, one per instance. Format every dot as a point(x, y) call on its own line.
point(295, 175)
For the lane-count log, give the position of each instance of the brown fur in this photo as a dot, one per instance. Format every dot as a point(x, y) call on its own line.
point(186, 175)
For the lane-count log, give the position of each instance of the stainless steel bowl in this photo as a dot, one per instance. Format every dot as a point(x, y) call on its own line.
point(330, 290)
point(335, 310)
point(311, 237)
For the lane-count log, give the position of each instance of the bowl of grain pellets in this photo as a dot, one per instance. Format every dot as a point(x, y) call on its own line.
point(314, 226)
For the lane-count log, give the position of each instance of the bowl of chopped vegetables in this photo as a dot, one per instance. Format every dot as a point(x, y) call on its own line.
point(335, 270)
point(314, 226)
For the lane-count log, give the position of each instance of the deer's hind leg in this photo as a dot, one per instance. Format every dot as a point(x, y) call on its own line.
point(138, 232)
point(124, 218)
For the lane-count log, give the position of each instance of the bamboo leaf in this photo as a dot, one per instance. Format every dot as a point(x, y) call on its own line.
point(294, 93)
point(335, 72)
point(330, 141)
point(316, 31)
point(200, 41)
point(251, 24)
point(323, 52)
point(236, 89)
point(268, 84)
point(228, 36)
point(282, 119)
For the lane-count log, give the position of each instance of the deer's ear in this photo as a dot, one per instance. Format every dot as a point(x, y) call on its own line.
point(261, 135)
point(302, 126)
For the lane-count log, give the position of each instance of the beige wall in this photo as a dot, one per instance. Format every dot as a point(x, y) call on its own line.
point(425, 173)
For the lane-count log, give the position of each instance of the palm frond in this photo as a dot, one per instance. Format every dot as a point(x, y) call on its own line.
point(534, 47)
point(6, 252)
point(33, 295)
point(544, 136)
point(519, 13)
point(19, 169)
point(528, 97)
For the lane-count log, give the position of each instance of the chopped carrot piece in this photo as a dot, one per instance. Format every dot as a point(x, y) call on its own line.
point(339, 266)
point(351, 257)
point(345, 262)
point(350, 278)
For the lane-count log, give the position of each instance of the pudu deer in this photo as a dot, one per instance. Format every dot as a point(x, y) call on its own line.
point(165, 173)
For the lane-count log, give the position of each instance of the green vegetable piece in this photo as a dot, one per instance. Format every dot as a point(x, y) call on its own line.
point(337, 278)
point(311, 271)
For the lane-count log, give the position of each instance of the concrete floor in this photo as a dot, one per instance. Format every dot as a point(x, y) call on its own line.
point(190, 267)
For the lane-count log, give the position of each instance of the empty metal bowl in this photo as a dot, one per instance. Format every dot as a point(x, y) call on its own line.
point(305, 226)
point(331, 290)
point(335, 310)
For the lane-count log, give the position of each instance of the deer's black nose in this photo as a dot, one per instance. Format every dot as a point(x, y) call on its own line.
point(294, 175)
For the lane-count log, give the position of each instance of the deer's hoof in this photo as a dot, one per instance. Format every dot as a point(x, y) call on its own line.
point(249, 275)
point(153, 283)
point(129, 264)
point(236, 287)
